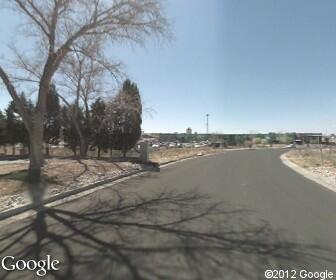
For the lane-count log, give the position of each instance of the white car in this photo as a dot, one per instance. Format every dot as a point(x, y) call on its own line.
point(156, 146)
point(172, 145)
point(290, 146)
point(187, 145)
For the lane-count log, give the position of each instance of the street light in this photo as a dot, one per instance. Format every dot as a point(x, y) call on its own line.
point(207, 123)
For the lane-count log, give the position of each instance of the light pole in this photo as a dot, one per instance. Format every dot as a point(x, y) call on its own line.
point(207, 123)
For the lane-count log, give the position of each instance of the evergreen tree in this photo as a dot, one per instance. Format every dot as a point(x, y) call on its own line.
point(12, 126)
point(23, 136)
point(100, 129)
point(2, 129)
point(127, 124)
point(271, 138)
point(69, 130)
point(52, 123)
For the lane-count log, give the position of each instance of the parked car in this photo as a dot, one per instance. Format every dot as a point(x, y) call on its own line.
point(187, 145)
point(156, 146)
point(172, 145)
point(290, 146)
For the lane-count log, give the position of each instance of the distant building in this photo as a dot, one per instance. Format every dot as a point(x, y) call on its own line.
point(151, 139)
point(329, 139)
point(309, 138)
point(332, 139)
point(189, 131)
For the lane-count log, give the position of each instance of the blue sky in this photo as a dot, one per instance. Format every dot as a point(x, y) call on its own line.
point(253, 65)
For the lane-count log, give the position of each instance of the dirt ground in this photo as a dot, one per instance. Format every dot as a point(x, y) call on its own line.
point(322, 162)
point(313, 157)
point(60, 173)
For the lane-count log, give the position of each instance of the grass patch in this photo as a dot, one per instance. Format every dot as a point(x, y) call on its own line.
point(22, 175)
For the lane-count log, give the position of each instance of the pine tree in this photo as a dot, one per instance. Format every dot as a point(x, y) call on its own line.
point(12, 126)
point(52, 123)
point(70, 132)
point(127, 125)
point(100, 129)
point(23, 135)
point(2, 129)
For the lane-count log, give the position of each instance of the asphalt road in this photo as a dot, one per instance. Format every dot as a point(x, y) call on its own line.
point(228, 216)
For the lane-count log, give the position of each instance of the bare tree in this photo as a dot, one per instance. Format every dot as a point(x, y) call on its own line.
point(58, 27)
point(84, 78)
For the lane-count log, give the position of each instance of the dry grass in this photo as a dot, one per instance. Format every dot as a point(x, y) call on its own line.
point(321, 163)
point(8, 168)
point(308, 157)
point(12, 178)
point(165, 155)
point(59, 173)
point(66, 171)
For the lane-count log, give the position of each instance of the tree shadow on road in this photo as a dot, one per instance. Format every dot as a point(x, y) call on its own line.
point(166, 235)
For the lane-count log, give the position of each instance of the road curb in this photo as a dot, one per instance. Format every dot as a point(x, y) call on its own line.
point(325, 182)
point(86, 190)
point(167, 163)
point(61, 196)
point(164, 164)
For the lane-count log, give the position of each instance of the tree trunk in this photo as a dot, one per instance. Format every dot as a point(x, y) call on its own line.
point(47, 150)
point(99, 152)
point(35, 159)
point(36, 154)
point(83, 143)
point(13, 150)
point(84, 147)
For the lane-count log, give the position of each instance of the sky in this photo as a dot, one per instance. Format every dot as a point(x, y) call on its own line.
point(253, 65)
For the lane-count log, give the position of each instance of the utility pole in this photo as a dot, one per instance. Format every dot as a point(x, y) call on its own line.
point(207, 123)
